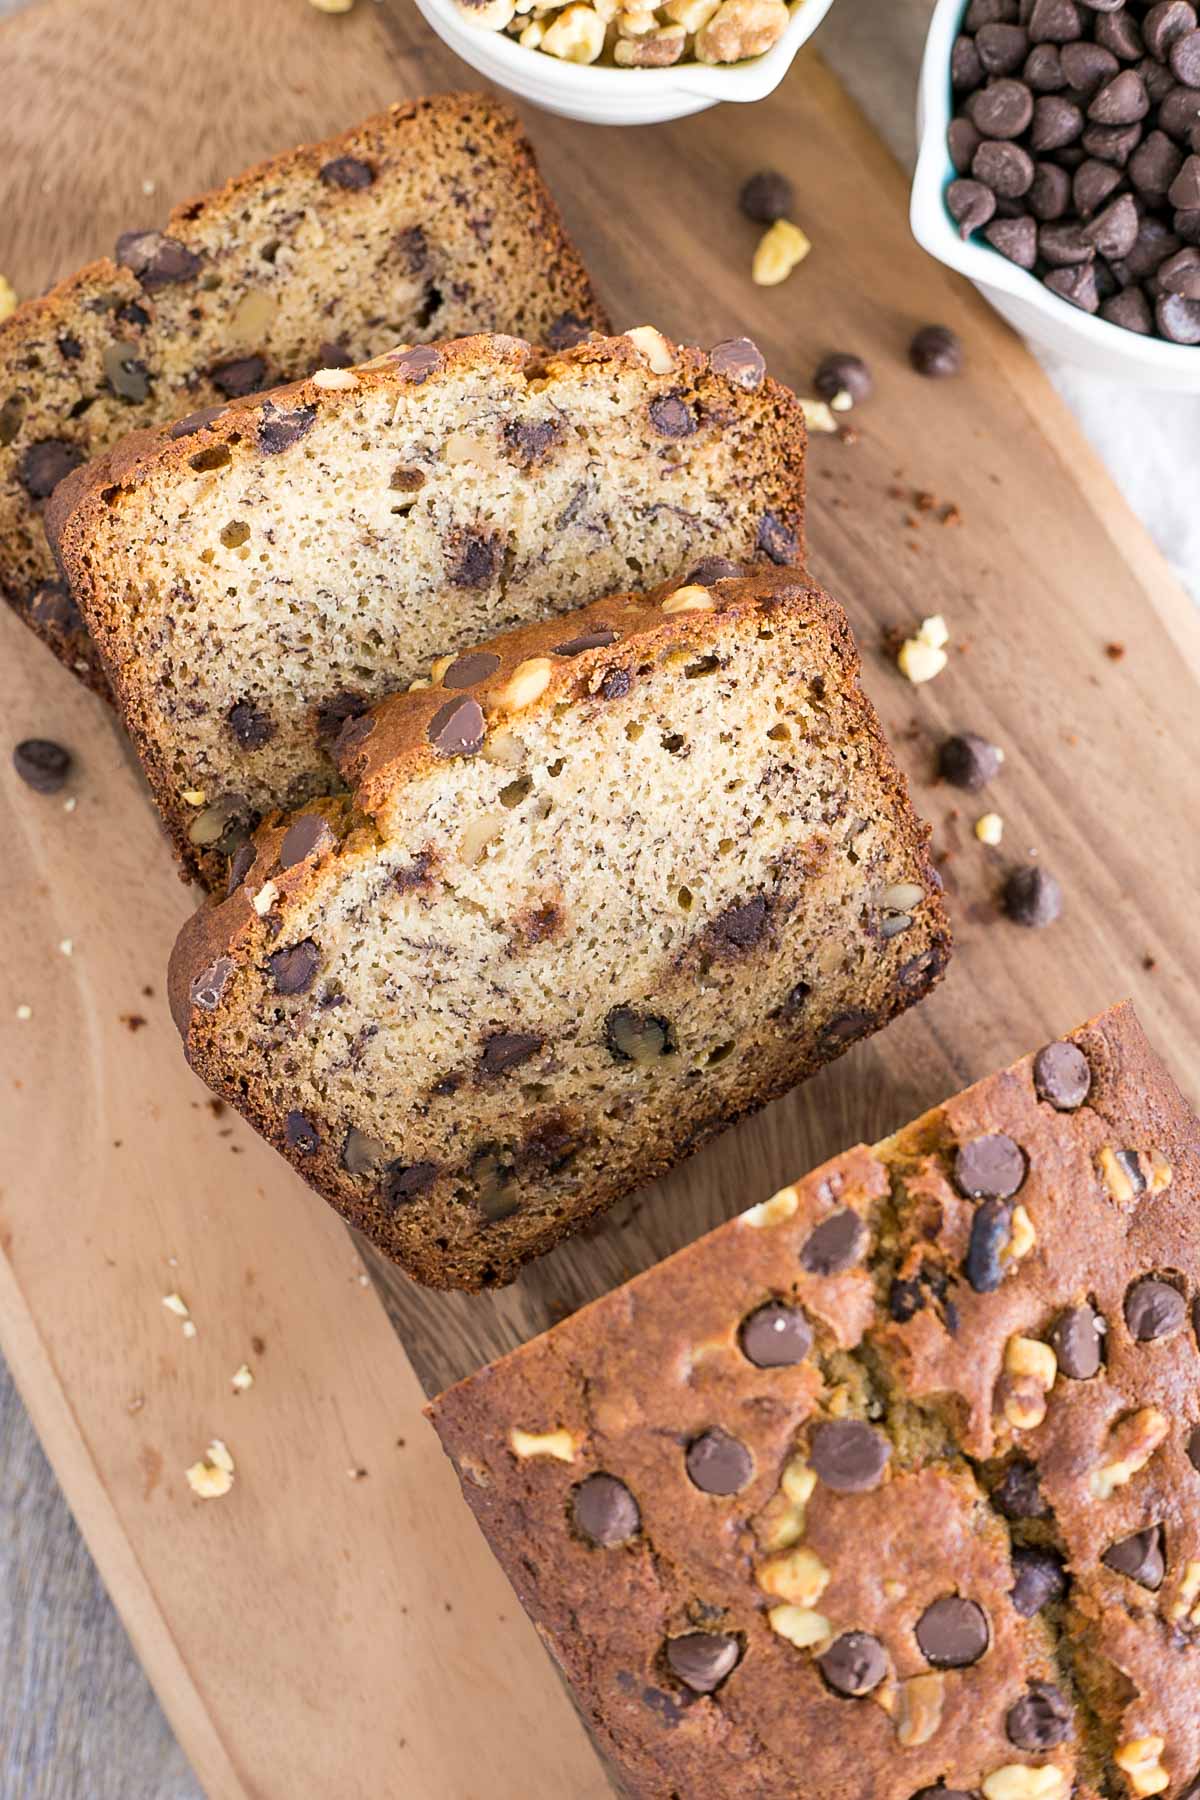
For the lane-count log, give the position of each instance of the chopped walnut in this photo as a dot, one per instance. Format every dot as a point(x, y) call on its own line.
point(918, 1709)
point(800, 1626)
point(577, 35)
point(1128, 1174)
point(797, 1576)
point(781, 247)
point(741, 28)
point(1020, 1781)
point(653, 347)
point(1141, 1761)
point(1131, 1443)
point(780, 1524)
point(212, 1476)
point(657, 51)
point(1186, 1607)
point(559, 1444)
point(775, 1211)
point(8, 298)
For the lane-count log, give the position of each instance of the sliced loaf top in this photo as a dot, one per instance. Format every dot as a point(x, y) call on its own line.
point(254, 579)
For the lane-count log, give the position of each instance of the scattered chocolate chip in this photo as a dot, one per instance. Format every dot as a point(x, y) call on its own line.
point(505, 1050)
point(775, 1336)
point(1018, 1493)
point(403, 1182)
point(42, 764)
point(1114, 231)
point(45, 464)
point(836, 1244)
point(251, 726)
point(989, 1168)
point(240, 376)
point(1164, 24)
point(1049, 196)
point(713, 569)
point(848, 1455)
point(953, 1633)
point(1078, 1342)
point(465, 671)
point(702, 1659)
point(739, 360)
point(347, 172)
point(1032, 898)
point(155, 259)
point(1153, 1310)
point(604, 1510)
point(843, 373)
point(718, 1463)
point(1062, 1076)
point(1129, 309)
point(599, 639)
point(1039, 1577)
point(301, 1134)
point(671, 416)
point(854, 1664)
point(969, 761)
point(457, 728)
point(991, 1234)
point(567, 330)
point(279, 429)
point(767, 196)
point(1040, 1719)
point(308, 834)
point(294, 968)
point(936, 352)
point(1140, 1557)
point(207, 987)
point(777, 540)
point(1180, 274)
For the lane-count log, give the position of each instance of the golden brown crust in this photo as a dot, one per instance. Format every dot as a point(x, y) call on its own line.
point(970, 1506)
point(400, 129)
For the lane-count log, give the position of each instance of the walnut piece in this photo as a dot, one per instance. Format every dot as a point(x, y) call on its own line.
point(741, 28)
point(212, 1476)
point(577, 35)
point(657, 51)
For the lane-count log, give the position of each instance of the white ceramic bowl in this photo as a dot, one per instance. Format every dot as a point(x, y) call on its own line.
point(1036, 313)
point(605, 96)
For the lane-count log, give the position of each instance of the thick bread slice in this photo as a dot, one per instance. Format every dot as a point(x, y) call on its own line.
point(616, 880)
point(253, 583)
point(428, 221)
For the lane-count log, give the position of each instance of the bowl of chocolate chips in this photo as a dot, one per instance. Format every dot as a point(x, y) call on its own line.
point(1059, 170)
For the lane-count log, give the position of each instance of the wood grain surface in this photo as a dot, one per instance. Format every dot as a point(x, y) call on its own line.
point(272, 1622)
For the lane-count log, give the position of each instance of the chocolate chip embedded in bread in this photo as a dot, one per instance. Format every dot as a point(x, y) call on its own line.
point(42, 764)
point(739, 928)
point(990, 1167)
point(45, 464)
point(251, 725)
point(240, 376)
point(506, 1050)
point(991, 1234)
point(293, 969)
point(1139, 1557)
point(835, 1245)
point(240, 865)
point(1062, 1075)
point(280, 427)
point(604, 1511)
point(1154, 1310)
point(953, 1632)
point(156, 260)
point(1041, 1719)
point(475, 558)
point(531, 438)
point(1039, 1576)
point(565, 331)
point(739, 360)
point(1018, 1493)
point(308, 835)
point(335, 715)
point(207, 987)
point(403, 1182)
point(301, 1134)
point(849, 1455)
point(457, 729)
point(702, 1659)
point(1077, 1339)
point(193, 422)
point(466, 670)
point(671, 416)
point(777, 540)
point(418, 364)
point(347, 172)
point(854, 1664)
point(599, 639)
point(775, 1336)
point(718, 1463)
point(713, 569)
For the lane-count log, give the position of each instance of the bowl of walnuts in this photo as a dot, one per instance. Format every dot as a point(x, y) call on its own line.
point(628, 62)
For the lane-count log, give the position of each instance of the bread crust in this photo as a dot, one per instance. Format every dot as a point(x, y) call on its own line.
point(401, 131)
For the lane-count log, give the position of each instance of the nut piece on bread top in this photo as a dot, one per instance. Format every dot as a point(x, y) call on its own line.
point(619, 878)
point(255, 581)
point(840, 1501)
point(427, 221)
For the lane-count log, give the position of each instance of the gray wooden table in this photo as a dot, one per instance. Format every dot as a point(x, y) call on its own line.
point(77, 1718)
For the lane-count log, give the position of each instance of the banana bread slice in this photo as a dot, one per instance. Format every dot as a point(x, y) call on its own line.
point(255, 581)
point(428, 221)
point(613, 881)
point(889, 1489)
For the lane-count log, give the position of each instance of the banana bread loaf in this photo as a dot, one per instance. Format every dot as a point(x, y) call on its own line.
point(253, 583)
point(889, 1488)
point(428, 221)
point(613, 881)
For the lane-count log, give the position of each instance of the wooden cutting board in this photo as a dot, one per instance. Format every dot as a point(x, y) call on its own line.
point(334, 1627)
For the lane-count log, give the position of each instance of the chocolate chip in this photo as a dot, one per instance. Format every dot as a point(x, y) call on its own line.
point(1062, 1076)
point(991, 1234)
point(332, 356)
point(207, 987)
point(1129, 309)
point(1056, 121)
point(1121, 101)
point(308, 834)
point(403, 1182)
point(1031, 896)
point(777, 540)
point(953, 1633)
point(631, 1036)
point(604, 1510)
point(1086, 67)
point(740, 927)
point(989, 1168)
point(1005, 168)
point(240, 865)
point(45, 464)
point(301, 1134)
point(969, 761)
point(476, 560)
point(854, 1664)
point(294, 968)
point(1118, 33)
point(1164, 24)
point(1043, 70)
point(1078, 1342)
point(242, 375)
point(279, 429)
point(1018, 1494)
point(1002, 109)
point(418, 364)
point(42, 764)
point(1114, 231)
point(1153, 1310)
point(1040, 1719)
point(347, 172)
point(465, 671)
point(599, 639)
point(936, 352)
point(775, 1336)
point(702, 1659)
point(334, 715)
point(69, 348)
point(531, 438)
point(836, 1244)
point(1112, 143)
point(970, 205)
point(671, 416)
point(1184, 191)
point(457, 728)
point(505, 1050)
point(713, 569)
point(1155, 164)
point(1180, 274)
point(1154, 242)
point(155, 259)
point(767, 196)
point(195, 421)
point(843, 373)
point(251, 726)
point(1178, 319)
point(1039, 1577)
point(718, 1463)
point(966, 65)
point(848, 1455)
point(1140, 1557)
point(616, 684)
point(739, 360)
point(1001, 47)
point(962, 141)
point(1185, 59)
point(51, 608)
point(846, 1028)
point(1014, 238)
point(1054, 22)
point(565, 331)
point(1050, 194)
